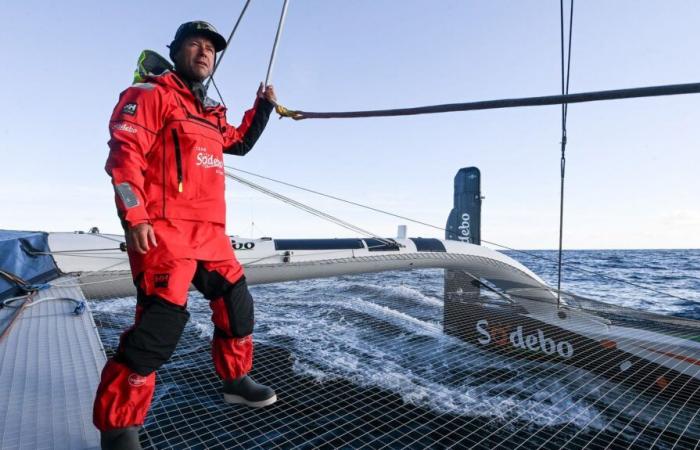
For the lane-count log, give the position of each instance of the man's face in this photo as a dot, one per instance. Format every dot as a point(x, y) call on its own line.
point(195, 59)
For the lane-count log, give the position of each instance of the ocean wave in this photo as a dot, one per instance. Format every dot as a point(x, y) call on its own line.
point(113, 305)
point(314, 309)
point(390, 372)
point(401, 291)
point(328, 344)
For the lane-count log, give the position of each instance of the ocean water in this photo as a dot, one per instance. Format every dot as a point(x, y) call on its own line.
point(363, 362)
point(675, 272)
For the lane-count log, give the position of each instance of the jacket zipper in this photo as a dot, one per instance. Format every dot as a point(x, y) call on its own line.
point(178, 160)
point(203, 121)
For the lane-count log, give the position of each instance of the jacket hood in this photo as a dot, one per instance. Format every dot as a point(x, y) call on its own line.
point(152, 67)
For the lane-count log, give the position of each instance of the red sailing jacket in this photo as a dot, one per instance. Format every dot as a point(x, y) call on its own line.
point(166, 151)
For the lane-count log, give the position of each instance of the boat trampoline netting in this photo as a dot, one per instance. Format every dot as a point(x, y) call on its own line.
point(373, 361)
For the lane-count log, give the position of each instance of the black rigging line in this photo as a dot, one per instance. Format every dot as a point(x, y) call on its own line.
point(228, 42)
point(565, 76)
point(218, 92)
point(580, 97)
point(223, 52)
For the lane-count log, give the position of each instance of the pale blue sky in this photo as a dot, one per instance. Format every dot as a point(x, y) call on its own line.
point(632, 165)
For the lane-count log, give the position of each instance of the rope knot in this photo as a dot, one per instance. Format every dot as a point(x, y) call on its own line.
point(284, 112)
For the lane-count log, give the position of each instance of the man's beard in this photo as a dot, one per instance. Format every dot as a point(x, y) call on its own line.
point(194, 82)
point(190, 74)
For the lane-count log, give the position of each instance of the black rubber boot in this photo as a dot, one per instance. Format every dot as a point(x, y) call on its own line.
point(245, 391)
point(120, 439)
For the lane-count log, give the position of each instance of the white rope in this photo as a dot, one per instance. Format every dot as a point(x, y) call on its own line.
point(81, 284)
point(309, 209)
point(280, 26)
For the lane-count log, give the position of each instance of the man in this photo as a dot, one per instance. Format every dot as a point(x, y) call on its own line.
point(166, 163)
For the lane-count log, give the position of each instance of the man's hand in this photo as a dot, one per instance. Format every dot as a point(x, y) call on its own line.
point(139, 237)
point(268, 93)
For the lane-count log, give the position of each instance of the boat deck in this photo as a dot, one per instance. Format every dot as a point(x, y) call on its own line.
point(51, 364)
point(355, 365)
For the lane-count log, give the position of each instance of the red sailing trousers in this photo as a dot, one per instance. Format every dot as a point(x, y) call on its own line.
point(128, 379)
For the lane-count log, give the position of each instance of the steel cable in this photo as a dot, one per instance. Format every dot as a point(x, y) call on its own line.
point(565, 76)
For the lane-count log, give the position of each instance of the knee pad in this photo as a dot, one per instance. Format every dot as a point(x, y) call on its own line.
point(239, 306)
point(151, 342)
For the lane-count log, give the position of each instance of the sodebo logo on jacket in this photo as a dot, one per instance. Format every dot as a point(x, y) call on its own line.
point(208, 161)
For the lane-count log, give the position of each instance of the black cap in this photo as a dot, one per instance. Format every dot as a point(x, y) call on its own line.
point(197, 27)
